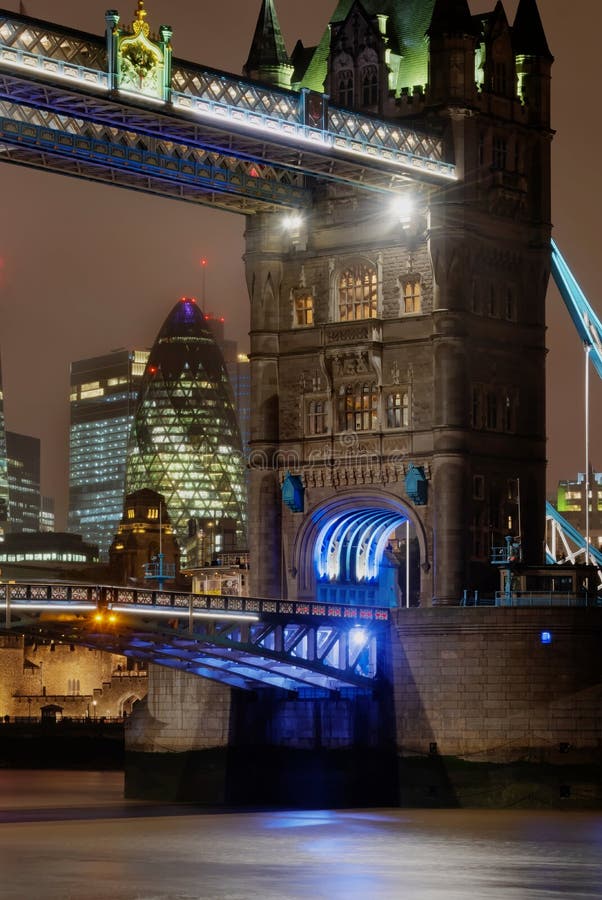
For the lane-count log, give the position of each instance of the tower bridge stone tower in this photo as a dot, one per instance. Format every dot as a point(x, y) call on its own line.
point(398, 353)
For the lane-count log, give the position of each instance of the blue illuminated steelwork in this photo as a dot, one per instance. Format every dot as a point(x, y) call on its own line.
point(351, 543)
point(587, 323)
point(240, 641)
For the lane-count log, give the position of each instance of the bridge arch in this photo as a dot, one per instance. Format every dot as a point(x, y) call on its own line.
point(343, 541)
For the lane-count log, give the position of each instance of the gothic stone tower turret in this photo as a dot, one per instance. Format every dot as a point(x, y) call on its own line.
point(398, 368)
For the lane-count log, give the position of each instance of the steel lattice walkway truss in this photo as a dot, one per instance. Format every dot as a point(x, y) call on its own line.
point(210, 137)
point(239, 641)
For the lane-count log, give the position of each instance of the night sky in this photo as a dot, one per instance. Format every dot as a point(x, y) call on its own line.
point(85, 268)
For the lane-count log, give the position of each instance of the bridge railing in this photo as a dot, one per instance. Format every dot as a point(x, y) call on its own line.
point(46, 51)
point(145, 601)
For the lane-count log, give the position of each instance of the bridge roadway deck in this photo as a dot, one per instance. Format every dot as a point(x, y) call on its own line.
point(240, 641)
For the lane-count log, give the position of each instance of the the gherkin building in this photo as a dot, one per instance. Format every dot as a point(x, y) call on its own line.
point(185, 441)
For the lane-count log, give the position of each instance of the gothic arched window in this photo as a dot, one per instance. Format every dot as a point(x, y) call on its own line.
point(344, 87)
point(358, 293)
point(369, 83)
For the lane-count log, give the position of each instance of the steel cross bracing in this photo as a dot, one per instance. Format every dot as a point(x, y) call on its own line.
point(46, 139)
point(243, 642)
point(564, 543)
point(47, 67)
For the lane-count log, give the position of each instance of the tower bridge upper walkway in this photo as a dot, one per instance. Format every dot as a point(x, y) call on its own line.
point(201, 135)
point(242, 642)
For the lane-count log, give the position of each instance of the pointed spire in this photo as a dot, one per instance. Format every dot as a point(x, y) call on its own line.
point(528, 36)
point(451, 17)
point(268, 59)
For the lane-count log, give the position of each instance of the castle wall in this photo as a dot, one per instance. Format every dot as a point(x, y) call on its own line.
point(82, 682)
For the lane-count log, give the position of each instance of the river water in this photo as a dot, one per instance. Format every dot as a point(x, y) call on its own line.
point(71, 836)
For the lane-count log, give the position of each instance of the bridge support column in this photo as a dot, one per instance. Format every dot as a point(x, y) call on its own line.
point(177, 738)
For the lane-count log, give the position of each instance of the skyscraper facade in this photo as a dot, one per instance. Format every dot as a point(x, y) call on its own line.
point(239, 373)
point(103, 400)
point(24, 501)
point(185, 442)
point(3, 467)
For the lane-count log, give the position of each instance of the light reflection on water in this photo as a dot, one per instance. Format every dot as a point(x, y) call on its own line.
point(69, 836)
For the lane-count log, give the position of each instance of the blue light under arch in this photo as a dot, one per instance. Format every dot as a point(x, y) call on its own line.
point(351, 542)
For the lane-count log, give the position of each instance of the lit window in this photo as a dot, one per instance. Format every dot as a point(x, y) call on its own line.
point(131, 513)
point(358, 407)
point(358, 293)
point(398, 410)
point(304, 310)
point(411, 299)
point(153, 513)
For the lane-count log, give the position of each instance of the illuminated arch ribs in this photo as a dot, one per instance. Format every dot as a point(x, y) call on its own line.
point(351, 543)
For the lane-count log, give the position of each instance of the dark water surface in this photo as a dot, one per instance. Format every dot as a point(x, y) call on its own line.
point(71, 836)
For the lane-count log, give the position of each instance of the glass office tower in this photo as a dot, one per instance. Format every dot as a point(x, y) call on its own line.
point(24, 500)
point(103, 400)
point(185, 442)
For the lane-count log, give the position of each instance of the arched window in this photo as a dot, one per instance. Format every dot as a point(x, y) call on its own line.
point(398, 410)
point(411, 295)
point(358, 407)
point(316, 417)
point(369, 83)
point(344, 87)
point(358, 293)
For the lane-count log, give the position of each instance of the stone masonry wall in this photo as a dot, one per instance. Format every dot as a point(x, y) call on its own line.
point(481, 685)
point(182, 712)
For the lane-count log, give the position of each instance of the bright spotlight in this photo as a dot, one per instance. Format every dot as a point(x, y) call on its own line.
point(358, 636)
point(293, 222)
point(402, 208)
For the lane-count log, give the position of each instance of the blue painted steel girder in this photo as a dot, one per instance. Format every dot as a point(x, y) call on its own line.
point(146, 170)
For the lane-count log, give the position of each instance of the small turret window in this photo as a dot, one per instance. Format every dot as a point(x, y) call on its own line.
point(411, 295)
point(398, 410)
point(316, 417)
point(304, 310)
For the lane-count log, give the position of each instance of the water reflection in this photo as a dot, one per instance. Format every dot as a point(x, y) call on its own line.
point(66, 836)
